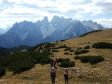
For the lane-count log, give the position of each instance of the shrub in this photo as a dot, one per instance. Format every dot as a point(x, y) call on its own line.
point(48, 45)
point(79, 48)
point(3, 51)
point(84, 59)
point(71, 50)
point(38, 46)
point(63, 46)
point(67, 49)
point(91, 59)
point(87, 47)
point(70, 53)
point(3, 60)
point(55, 50)
point(2, 71)
point(82, 51)
point(66, 63)
point(102, 45)
point(96, 59)
point(61, 59)
point(66, 53)
point(21, 65)
point(76, 57)
point(21, 61)
point(72, 63)
point(41, 58)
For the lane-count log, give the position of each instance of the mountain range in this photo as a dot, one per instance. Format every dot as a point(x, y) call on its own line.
point(2, 31)
point(59, 28)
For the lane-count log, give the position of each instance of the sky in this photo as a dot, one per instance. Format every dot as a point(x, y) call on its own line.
point(12, 11)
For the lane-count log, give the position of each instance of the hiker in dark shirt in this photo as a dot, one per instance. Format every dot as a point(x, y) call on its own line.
point(53, 75)
point(55, 63)
point(66, 76)
point(52, 63)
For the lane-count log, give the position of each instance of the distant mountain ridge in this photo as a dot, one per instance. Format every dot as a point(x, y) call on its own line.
point(24, 33)
point(59, 28)
point(2, 31)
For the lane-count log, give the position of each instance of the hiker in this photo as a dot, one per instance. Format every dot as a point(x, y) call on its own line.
point(53, 75)
point(52, 63)
point(66, 76)
point(55, 63)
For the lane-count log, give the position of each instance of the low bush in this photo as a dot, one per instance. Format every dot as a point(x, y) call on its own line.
point(66, 53)
point(41, 58)
point(38, 46)
point(87, 47)
point(55, 50)
point(3, 51)
point(61, 59)
point(66, 63)
point(102, 45)
point(2, 71)
point(67, 49)
point(81, 51)
point(71, 54)
point(48, 45)
point(76, 57)
point(91, 59)
point(62, 46)
point(79, 48)
point(71, 50)
point(19, 66)
point(72, 63)
point(22, 61)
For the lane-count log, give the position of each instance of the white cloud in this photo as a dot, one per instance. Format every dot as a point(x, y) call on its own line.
point(105, 22)
point(0, 2)
point(12, 11)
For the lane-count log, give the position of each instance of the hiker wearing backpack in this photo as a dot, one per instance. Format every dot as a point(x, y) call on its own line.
point(66, 78)
point(55, 63)
point(52, 63)
point(53, 75)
